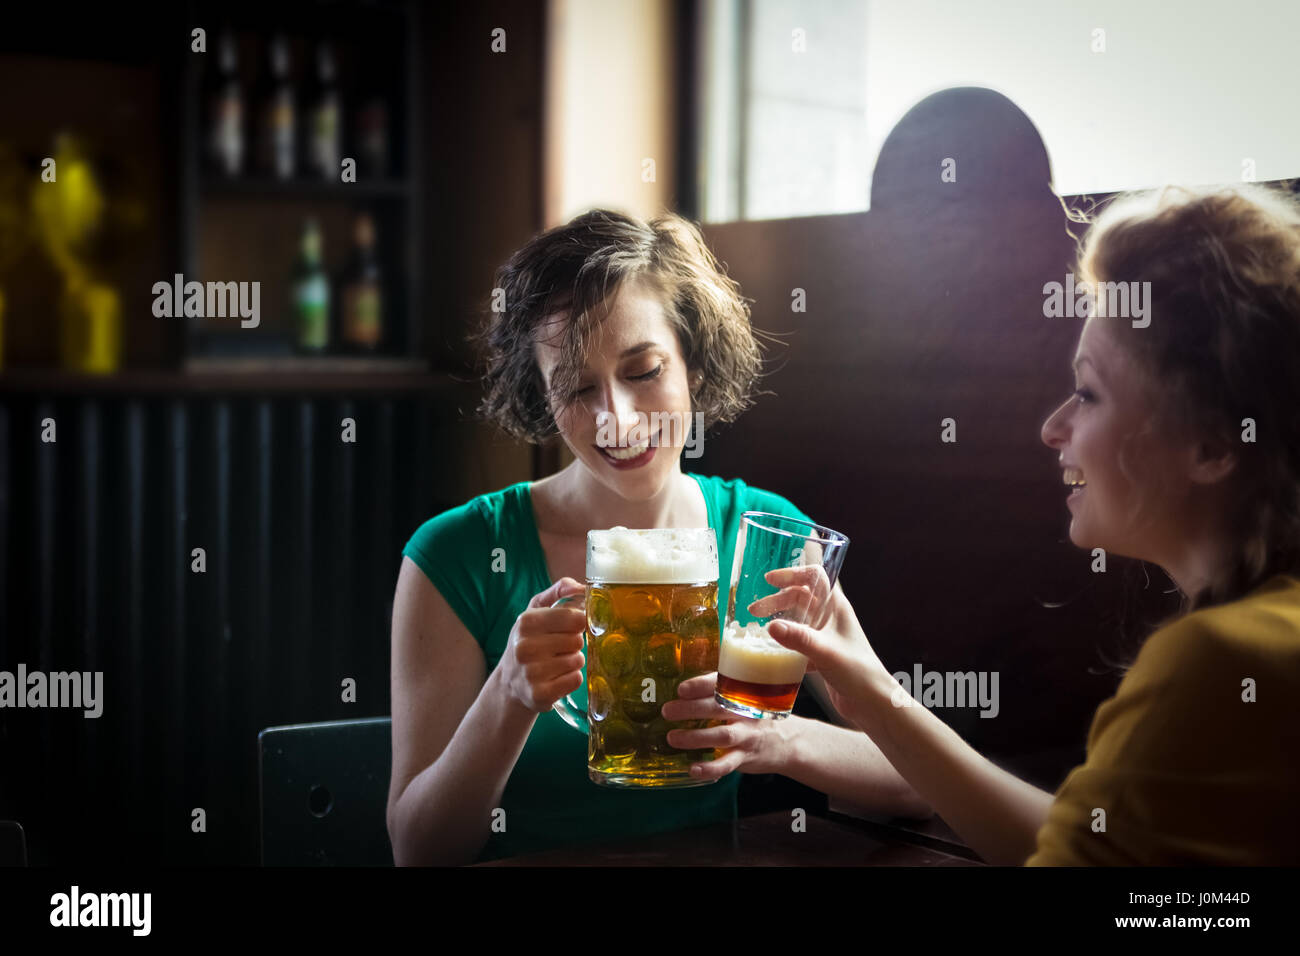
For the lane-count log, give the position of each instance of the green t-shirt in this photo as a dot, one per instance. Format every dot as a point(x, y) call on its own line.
point(549, 801)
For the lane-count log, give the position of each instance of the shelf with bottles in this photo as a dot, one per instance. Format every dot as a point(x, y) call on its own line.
point(301, 135)
point(331, 279)
point(280, 108)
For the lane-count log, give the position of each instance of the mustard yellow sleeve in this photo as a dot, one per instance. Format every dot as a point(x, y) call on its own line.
point(1181, 767)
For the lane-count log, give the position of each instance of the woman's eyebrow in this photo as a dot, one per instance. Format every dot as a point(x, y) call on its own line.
point(634, 350)
point(1079, 361)
point(638, 348)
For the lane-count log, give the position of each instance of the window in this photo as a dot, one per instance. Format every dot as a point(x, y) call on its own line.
point(799, 95)
point(784, 108)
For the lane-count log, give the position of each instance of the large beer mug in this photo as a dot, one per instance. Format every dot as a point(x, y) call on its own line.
point(652, 622)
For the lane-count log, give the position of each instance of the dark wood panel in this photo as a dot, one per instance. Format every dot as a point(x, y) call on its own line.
point(484, 183)
point(302, 545)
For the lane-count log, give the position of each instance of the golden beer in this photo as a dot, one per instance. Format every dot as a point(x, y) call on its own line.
point(652, 622)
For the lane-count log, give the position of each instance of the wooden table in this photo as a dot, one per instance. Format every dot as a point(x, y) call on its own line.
point(769, 840)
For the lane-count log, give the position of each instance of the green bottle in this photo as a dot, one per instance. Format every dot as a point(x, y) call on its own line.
point(311, 293)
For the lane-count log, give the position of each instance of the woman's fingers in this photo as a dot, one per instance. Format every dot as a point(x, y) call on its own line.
point(716, 769)
point(698, 687)
point(565, 587)
point(824, 614)
point(694, 700)
point(808, 642)
point(804, 595)
point(545, 622)
point(541, 647)
point(548, 693)
point(813, 577)
point(699, 708)
point(545, 671)
point(721, 737)
point(792, 603)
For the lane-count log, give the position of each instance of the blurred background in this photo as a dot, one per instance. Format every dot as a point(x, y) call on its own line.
point(371, 162)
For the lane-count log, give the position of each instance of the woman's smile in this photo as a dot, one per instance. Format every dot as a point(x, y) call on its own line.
point(627, 458)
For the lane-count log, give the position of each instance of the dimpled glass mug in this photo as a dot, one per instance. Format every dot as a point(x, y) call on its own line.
point(652, 622)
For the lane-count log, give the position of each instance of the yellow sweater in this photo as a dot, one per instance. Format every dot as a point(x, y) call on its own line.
point(1185, 769)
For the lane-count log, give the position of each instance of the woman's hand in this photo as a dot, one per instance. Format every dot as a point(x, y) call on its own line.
point(750, 746)
point(804, 595)
point(543, 657)
point(840, 652)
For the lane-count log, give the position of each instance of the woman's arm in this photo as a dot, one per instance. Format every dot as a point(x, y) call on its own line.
point(997, 814)
point(456, 735)
point(841, 762)
point(844, 764)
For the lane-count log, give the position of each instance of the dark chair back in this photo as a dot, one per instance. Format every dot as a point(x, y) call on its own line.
point(13, 844)
point(324, 793)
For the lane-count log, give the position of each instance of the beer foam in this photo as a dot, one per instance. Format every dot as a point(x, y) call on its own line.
point(753, 655)
point(652, 556)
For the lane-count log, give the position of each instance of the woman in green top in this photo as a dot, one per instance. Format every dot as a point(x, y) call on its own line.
point(594, 323)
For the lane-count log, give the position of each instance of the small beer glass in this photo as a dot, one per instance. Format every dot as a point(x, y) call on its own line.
point(757, 677)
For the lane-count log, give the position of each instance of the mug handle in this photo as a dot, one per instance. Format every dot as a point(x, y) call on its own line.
point(571, 713)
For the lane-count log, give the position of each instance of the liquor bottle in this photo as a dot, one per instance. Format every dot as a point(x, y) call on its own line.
point(322, 120)
point(276, 148)
point(362, 313)
point(226, 111)
point(311, 294)
point(372, 137)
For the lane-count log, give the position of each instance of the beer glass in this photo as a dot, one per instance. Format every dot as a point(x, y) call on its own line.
point(652, 622)
point(758, 677)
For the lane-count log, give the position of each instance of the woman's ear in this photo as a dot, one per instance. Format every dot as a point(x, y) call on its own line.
point(1212, 462)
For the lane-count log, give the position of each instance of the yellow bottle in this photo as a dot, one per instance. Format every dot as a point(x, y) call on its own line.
point(68, 208)
point(90, 320)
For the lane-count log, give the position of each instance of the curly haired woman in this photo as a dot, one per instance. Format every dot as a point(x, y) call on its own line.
point(608, 322)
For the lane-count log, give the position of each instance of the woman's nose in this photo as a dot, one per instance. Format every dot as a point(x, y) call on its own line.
point(614, 399)
point(616, 415)
point(1053, 432)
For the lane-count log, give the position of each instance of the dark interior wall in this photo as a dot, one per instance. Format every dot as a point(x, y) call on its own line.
point(485, 178)
point(929, 307)
point(483, 193)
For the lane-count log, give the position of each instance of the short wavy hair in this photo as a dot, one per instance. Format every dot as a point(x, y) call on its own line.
point(577, 269)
